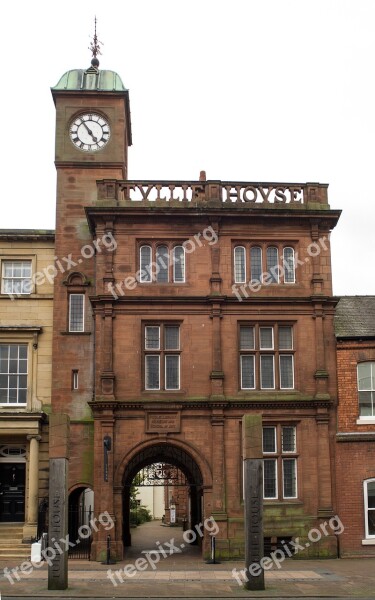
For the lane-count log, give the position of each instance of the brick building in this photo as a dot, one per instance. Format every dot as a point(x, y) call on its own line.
point(26, 299)
point(187, 304)
point(355, 451)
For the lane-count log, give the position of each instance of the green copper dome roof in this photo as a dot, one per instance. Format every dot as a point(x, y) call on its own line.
point(91, 79)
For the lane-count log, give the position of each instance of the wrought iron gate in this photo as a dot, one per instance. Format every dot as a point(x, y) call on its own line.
point(79, 532)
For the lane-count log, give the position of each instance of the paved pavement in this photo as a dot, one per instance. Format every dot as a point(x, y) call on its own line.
point(183, 574)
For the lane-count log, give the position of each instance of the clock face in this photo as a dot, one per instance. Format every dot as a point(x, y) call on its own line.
point(89, 132)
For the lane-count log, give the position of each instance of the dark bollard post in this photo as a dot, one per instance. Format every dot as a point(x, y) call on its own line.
point(212, 560)
point(109, 561)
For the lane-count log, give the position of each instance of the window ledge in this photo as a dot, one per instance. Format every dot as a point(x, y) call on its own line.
point(274, 501)
point(75, 332)
point(366, 421)
point(368, 542)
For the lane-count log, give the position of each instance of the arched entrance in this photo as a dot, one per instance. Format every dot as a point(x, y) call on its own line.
point(175, 457)
point(80, 512)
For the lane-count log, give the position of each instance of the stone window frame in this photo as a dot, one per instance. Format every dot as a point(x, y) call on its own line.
point(257, 352)
point(162, 352)
point(18, 258)
point(278, 457)
point(247, 264)
point(153, 246)
point(369, 538)
point(76, 284)
point(24, 335)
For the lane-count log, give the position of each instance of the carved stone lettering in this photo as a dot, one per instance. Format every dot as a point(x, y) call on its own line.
point(58, 525)
point(230, 193)
point(163, 422)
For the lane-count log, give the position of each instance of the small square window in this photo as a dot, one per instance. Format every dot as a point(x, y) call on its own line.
point(269, 439)
point(266, 338)
point(152, 338)
point(285, 338)
point(288, 439)
point(172, 337)
point(246, 338)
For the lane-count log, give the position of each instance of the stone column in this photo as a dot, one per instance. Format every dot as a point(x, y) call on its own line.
point(30, 528)
point(321, 375)
point(253, 492)
point(325, 508)
point(33, 478)
point(218, 465)
point(107, 374)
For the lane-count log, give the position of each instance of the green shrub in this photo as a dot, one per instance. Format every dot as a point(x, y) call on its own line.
point(140, 515)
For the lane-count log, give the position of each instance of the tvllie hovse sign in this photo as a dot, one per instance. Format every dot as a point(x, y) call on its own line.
point(188, 192)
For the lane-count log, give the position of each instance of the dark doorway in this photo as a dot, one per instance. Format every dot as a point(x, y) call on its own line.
point(80, 513)
point(12, 492)
point(171, 456)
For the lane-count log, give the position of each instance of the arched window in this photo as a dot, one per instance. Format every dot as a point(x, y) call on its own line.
point(288, 264)
point(273, 264)
point(239, 264)
point(178, 264)
point(369, 498)
point(366, 389)
point(145, 264)
point(256, 263)
point(162, 264)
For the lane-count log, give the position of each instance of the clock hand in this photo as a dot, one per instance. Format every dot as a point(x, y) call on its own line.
point(95, 139)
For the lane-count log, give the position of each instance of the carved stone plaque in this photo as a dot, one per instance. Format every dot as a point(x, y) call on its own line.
point(163, 422)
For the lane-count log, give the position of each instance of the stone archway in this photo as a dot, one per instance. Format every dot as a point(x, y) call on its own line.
point(170, 454)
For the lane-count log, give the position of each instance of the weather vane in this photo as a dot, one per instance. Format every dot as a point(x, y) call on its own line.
point(95, 48)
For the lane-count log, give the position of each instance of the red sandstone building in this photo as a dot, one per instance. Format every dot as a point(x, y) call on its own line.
point(180, 306)
point(355, 451)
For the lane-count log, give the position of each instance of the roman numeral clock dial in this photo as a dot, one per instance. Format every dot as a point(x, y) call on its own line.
point(90, 132)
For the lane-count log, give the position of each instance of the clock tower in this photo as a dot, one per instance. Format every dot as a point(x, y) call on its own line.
point(93, 132)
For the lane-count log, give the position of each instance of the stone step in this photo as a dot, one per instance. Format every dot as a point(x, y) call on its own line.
point(11, 546)
point(15, 553)
point(11, 535)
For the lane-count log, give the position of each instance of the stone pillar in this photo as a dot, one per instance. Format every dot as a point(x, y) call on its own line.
point(30, 528)
point(321, 375)
point(253, 493)
point(217, 374)
point(218, 464)
point(107, 374)
point(58, 500)
point(105, 497)
point(324, 466)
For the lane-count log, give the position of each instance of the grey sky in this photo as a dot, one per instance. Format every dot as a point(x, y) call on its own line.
point(249, 90)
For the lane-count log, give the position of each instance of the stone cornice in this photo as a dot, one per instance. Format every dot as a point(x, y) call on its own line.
point(99, 406)
point(101, 299)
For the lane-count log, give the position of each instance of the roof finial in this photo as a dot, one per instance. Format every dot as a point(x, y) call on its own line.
point(95, 48)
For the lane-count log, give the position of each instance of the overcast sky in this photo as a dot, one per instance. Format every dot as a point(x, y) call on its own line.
point(248, 90)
